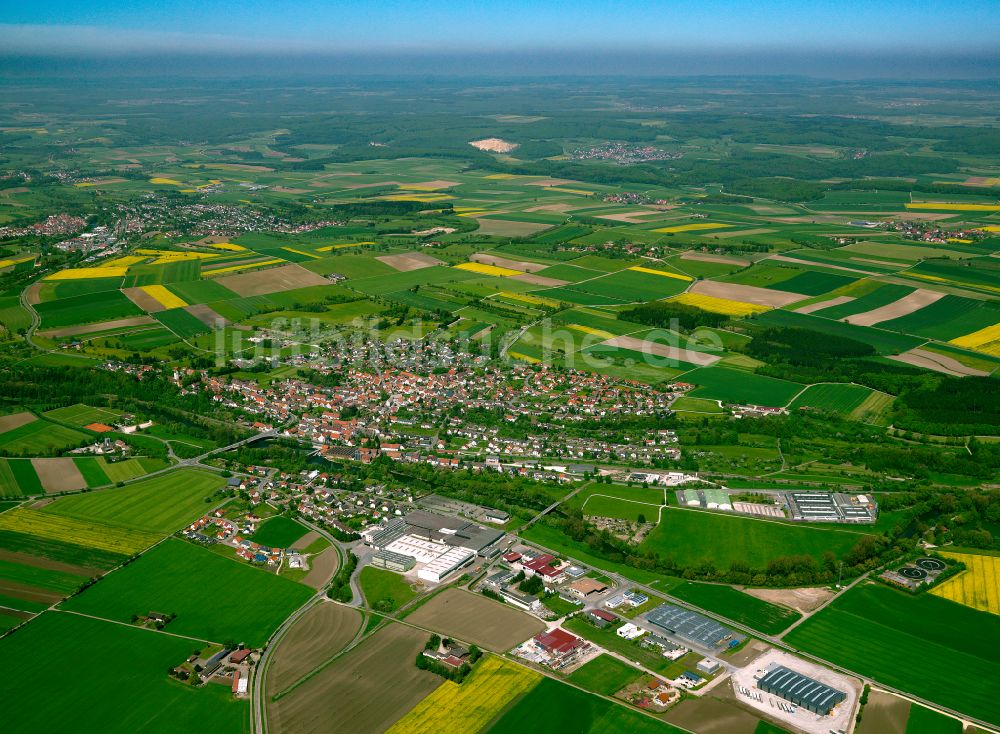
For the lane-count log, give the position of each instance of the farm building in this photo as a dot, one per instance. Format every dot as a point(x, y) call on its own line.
point(693, 627)
point(800, 690)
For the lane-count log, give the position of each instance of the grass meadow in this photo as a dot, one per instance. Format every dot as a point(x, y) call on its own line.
point(214, 598)
point(124, 687)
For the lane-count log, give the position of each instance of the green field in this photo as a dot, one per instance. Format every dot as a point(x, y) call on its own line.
point(948, 318)
point(732, 604)
point(81, 415)
point(214, 598)
point(813, 283)
point(890, 636)
point(200, 291)
point(885, 342)
point(735, 386)
point(927, 721)
point(163, 504)
point(86, 309)
point(126, 688)
point(39, 438)
point(278, 532)
point(385, 590)
point(93, 474)
point(18, 477)
point(838, 398)
point(629, 286)
point(882, 295)
point(182, 323)
point(691, 537)
point(604, 674)
point(552, 707)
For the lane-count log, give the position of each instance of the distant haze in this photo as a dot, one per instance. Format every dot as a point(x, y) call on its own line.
point(917, 38)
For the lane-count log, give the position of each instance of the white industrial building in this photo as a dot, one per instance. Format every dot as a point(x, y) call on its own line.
point(450, 560)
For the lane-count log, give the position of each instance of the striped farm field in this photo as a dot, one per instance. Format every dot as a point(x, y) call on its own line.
point(977, 587)
point(85, 533)
point(837, 397)
point(484, 269)
point(719, 305)
point(245, 266)
point(469, 707)
point(160, 504)
point(691, 227)
point(165, 297)
point(664, 273)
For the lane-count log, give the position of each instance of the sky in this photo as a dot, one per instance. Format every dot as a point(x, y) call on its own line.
point(588, 29)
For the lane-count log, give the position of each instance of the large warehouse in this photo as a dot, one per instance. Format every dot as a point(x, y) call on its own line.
point(800, 690)
point(693, 627)
point(440, 544)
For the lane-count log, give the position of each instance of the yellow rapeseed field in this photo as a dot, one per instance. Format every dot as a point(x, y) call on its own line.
point(591, 330)
point(301, 252)
point(985, 340)
point(524, 357)
point(692, 227)
point(468, 707)
point(342, 246)
point(81, 532)
point(165, 297)
point(484, 269)
point(535, 300)
point(719, 305)
point(14, 261)
point(947, 207)
point(977, 587)
point(244, 266)
point(227, 246)
point(160, 180)
point(991, 228)
point(664, 273)
point(82, 273)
